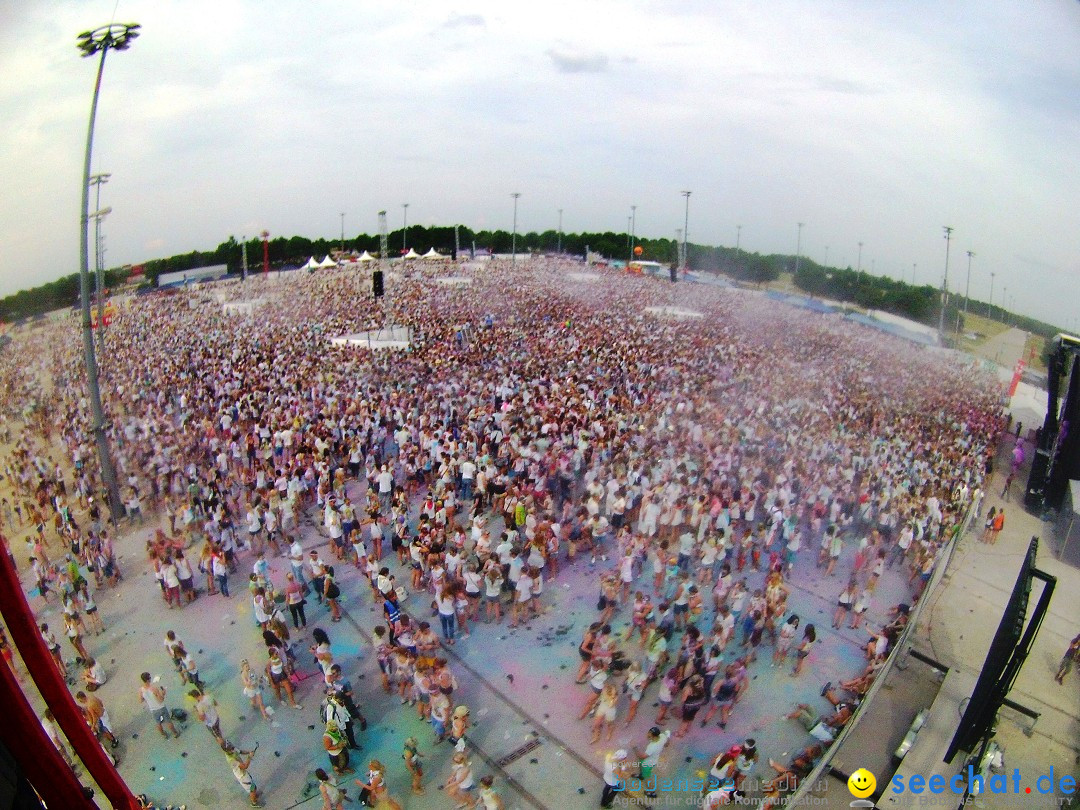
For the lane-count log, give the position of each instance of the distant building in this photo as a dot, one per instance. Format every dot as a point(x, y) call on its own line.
point(181, 277)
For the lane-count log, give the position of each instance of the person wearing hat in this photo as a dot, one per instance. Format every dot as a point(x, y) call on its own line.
point(616, 771)
point(459, 723)
point(650, 757)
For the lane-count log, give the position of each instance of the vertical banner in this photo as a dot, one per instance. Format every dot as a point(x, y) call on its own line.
point(1017, 374)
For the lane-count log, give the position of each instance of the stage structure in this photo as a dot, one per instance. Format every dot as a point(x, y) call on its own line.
point(1007, 654)
point(386, 334)
point(1057, 453)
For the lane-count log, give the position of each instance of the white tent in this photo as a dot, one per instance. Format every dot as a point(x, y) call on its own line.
point(327, 262)
point(432, 254)
point(311, 264)
point(366, 257)
point(412, 254)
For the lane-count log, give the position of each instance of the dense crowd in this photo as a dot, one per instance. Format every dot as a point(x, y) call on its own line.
point(537, 422)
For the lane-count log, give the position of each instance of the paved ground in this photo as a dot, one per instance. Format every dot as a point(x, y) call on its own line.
point(1005, 348)
point(519, 684)
point(955, 630)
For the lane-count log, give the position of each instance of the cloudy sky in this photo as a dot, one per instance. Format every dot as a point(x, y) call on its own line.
point(870, 122)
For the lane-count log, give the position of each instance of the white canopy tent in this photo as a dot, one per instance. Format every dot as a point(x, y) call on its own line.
point(327, 262)
point(412, 254)
point(311, 264)
point(433, 254)
point(366, 257)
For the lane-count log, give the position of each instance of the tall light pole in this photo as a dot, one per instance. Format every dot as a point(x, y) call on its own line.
point(967, 290)
point(686, 231)
point(560, 232)
point(990, 306)
point(1004, 303)
point(826, 256)
point(98, 180)
point(914, 267)
point(513, 239)
point(798, 248)
point(342, 231)
point(99, 263)
point(944, 284)
point(243, 258)
point(858, 263)
point(738, 238)
point(678, 245)
point(404, 226)
point(117, 36)
point(633, 229)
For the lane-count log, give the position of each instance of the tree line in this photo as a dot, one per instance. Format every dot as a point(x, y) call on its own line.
point(917, 302)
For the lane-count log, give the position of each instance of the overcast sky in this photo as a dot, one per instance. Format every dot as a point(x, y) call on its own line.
point(873, 122)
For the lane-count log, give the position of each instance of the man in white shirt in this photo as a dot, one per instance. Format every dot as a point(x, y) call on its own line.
point(296, 561)
point(385, 480)
point(651, 757)
point(468, 477)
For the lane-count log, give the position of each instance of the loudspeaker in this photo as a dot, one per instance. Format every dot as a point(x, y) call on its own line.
point(377, 283)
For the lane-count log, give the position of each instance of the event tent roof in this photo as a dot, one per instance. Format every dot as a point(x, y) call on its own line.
point(311, 264)
point(327, 262)
point(412, 254)
point(366, 257)
point(432, 254)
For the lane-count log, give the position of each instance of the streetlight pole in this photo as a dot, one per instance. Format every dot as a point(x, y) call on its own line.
point(99, 262)
point(990, 306)
point(967, 290)
point(513, 239)
point(738, 238)
point(858, 263)
point(633, 229)
point(914, 267)
point(798, 248)
point(404, 226)
point(686, 231)
point(98, 180)
point(117, 36)
point(342, 231)
point(560, 232)
point(944, 284)
point(243, 258)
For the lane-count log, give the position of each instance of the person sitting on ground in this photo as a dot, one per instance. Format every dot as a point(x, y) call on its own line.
point(93, 674)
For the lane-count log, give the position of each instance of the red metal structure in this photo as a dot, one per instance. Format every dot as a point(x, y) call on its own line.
point(22, 731)
point(266, 252)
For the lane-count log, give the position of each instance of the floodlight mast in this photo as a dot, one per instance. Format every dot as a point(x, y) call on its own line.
point(98, 180)
point(117, 36)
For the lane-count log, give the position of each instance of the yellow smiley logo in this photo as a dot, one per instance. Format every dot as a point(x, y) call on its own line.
point(861, 783)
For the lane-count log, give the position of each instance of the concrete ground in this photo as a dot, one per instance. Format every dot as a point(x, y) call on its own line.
point(518, 684)
point(955, 630)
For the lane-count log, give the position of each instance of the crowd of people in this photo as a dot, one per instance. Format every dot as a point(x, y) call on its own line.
point(699, 466)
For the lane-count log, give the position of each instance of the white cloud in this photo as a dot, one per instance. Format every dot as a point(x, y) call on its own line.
point(870, 123)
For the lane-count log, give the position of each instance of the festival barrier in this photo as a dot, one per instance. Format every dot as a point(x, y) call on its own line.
point(802, 794)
